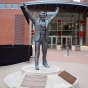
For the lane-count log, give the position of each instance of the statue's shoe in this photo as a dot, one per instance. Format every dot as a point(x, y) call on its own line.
point(37, 68)
point(46, 65)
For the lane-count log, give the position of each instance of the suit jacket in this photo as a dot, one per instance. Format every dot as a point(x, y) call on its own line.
point(38, 30)
point(37, 25)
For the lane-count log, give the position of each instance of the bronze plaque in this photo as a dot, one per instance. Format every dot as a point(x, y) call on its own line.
point(34, 81)
point(68, 77)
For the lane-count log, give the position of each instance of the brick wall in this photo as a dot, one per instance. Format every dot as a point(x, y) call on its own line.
point(7, 26)
point(7, 23)
point(13, 1)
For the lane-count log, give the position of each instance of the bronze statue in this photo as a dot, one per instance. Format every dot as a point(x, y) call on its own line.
point(41, 35)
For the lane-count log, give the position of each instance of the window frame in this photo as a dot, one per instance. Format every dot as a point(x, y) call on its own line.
point(3, 5)
point(8, 4)
point(15, 5)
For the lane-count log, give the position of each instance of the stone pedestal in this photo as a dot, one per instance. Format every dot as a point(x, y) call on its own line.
point(53, 80)
point(42, 70)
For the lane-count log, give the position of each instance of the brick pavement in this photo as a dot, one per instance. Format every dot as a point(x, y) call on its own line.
point(80, 57)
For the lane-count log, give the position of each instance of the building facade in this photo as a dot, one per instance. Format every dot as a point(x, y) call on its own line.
point(67, 29)
point(13, 26)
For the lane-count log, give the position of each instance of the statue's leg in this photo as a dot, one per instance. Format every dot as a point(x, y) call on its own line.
point(44, 51)
point(37, 53)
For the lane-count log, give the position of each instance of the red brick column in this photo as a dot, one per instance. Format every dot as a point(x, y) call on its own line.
point(87, 31)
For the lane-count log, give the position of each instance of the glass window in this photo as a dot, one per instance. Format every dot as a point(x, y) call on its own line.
point(58, 40)
point(67, 26)
point(55, 19)
point(32, 26)
point(59, 26)
point(67, 17)
point(1, 6)
point(8, 6)
point(75, 26)
point(52, 33)
point(75, 33)
point(67, 33)
point(75, 21)
point(75, 16)
point(75, 40)
point(49, 43)
point(15, 6)
point(32, 40)
point(53, 26)
point(84, 41)
point(82, 16)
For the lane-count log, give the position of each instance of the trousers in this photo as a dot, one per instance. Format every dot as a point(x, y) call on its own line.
point(42, 41)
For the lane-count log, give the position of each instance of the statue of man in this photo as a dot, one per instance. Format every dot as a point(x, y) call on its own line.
point(41, 35)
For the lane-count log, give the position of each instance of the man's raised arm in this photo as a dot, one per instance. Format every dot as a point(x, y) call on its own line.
point(54, 15)
point(29, 14)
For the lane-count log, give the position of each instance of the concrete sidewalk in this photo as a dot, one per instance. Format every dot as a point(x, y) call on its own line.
point(80, 57)
point(75, 64)
point(78, 70)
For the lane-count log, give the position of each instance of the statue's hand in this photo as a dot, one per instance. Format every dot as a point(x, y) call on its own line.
point(57, 8)
point(24, 6)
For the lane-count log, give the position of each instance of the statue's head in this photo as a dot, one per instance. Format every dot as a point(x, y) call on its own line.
point(42, 15)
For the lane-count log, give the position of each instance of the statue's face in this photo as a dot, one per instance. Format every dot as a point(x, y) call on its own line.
point(42, 15)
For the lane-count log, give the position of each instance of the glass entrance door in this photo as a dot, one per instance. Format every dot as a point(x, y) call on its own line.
point(69, 42)
point(66, 42)
point(52, 42)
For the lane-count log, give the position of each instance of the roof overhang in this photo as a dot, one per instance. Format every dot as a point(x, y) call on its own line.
point(50, 5)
